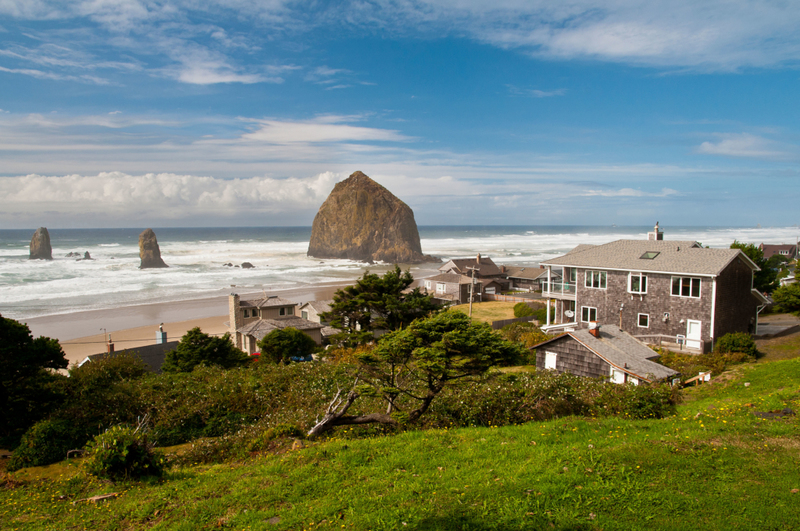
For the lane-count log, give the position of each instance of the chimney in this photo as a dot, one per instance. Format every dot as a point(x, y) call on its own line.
point(502, 269)
point(161, 336)
point(478, 259)
point(594, 329)
point(656, 234)
point(110, 346)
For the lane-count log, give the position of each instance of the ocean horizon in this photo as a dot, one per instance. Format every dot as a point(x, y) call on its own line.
point(196, 256)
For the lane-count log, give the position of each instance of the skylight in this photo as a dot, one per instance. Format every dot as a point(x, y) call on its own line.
point(649, 255)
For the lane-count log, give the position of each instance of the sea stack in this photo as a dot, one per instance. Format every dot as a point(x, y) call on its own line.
point(149, 251)
point(40, 245)
point(362, 220)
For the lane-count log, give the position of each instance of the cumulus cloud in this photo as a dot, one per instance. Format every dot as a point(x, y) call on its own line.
point(165, 195)
point(745, 145)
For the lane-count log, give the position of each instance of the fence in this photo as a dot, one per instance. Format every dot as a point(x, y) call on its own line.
point(497, 325)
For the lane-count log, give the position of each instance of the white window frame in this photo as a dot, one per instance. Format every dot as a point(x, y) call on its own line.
point(601, 276)
point(550, 360)
point(590, 310)
point(691, 284)
point(642, 282)
point(441, 287)
point(639, 320)
point(427, 284)
point(304, 314)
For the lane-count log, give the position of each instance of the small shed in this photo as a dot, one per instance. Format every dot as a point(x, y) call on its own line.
point(608, 352)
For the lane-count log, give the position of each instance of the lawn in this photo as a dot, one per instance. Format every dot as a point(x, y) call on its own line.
point(489, 311)
point(779, 348)
point(715, 465)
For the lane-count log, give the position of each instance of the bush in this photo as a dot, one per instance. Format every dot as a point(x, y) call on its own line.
point(197, 348)
point(522, 309)
point(787, 298)
point(123, 453)
point(541, 315)
point(289, 344)
point(46, 442)
point(736, 342)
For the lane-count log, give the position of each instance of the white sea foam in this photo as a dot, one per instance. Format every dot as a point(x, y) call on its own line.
point(196, 258)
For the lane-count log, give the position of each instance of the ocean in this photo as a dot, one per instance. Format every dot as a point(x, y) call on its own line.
point(196, 256)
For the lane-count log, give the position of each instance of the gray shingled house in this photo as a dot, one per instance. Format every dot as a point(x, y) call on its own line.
point(252, 319)
point(527, 278)
point(656, 289)
point(604, 351)
point(452, 288)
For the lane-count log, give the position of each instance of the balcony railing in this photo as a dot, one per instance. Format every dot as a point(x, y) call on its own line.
point(558, 287)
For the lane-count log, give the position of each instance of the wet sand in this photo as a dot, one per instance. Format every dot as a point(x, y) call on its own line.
point(84, 333)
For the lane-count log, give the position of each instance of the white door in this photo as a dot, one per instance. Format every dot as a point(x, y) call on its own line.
point(693, 334)
point(550, 360)
point(617, 376)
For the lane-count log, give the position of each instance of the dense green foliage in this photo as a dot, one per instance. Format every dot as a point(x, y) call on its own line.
point(689, 365)
point(736, 342)
point(28, 388)
point(522, 309)
point(526, 333)
point(376, 303)
point(197, 348)
point(47, 441)
point(122, 453)
point(765, 280)
point(540, 314)
point(787, 297)
point(280, 346)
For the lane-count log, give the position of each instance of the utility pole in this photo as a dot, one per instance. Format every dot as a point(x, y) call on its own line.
point(471, 289)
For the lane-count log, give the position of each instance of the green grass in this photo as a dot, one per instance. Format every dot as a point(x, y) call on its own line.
point(714, 465)
point(780, 348)
point(488, 311)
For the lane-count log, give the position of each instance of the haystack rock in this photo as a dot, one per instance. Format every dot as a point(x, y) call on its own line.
point(149, 251)
point(40, 245)
point(362, 220)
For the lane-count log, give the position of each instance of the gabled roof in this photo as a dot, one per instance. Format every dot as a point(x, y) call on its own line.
point(318, 306)
point(621, 350)
point(528, 273)
point(770, 250)
point(485, 265)
point(452, 278)
point(262, 327)
point(670, 257)
point(267, 302)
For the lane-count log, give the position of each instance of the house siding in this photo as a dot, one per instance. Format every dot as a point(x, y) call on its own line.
point(572, 357)
point(657, 301)
point(736, 306)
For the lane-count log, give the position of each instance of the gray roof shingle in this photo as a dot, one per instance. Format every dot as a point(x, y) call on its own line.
point(258, 329)
point(673, 257)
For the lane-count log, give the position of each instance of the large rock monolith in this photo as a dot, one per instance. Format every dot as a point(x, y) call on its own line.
point(149, 252)
point(40, 245)
point(362, 220)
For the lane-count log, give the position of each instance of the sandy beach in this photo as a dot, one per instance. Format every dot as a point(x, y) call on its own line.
point(84, 333)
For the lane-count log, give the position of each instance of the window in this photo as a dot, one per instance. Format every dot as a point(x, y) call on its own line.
point(304, 314)
point(644, 320)
point(290, 310)
point(784, 253)
point(427, 284)
point(550, 360)
point(686, 287)
point(588, 314)
point(573, 275)
point(440, 287)
point(637, 283)
point(282, 311)
point(596, 279)
point(246, 314)
point(253, 313)
point(649, 255)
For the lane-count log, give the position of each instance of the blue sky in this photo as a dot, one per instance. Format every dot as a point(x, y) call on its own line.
point(235, 112)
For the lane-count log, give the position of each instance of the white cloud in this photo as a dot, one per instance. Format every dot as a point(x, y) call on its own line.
point(39, 74)
point(746, 145)
point(323, 129)
point(630, 192)
point(535, 93)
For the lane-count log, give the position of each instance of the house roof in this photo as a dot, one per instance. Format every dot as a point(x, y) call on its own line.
point(770, 250)
point(621, 350)
point(452, 278)
point(485, 265)
point(672, 257)
point(266, 302)
point(318, 306)
point(262, 327)
point(529, 273)
point(152, 355)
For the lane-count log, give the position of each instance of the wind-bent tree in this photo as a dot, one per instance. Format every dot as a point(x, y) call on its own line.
point(376, 303)
point(281, 346)
point(28, 390)
point(408, 368)
point(197, 348)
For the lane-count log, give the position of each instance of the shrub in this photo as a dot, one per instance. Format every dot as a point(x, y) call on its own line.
point(286, 345)
point(521, 309)
point(541, 315)
point(526, 333)
point(196, 348)
point(123, 453)
point(736, 342)
point(46, 442)
point(787, 298)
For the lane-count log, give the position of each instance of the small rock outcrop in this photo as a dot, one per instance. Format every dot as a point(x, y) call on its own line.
point(149, 252)
point(362, 220)
point(40, 245)
point(248, 265)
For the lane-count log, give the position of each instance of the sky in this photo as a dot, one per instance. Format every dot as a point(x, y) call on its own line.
point(130, 113)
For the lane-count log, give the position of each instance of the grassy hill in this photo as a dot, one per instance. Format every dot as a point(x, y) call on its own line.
point(717, 464)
